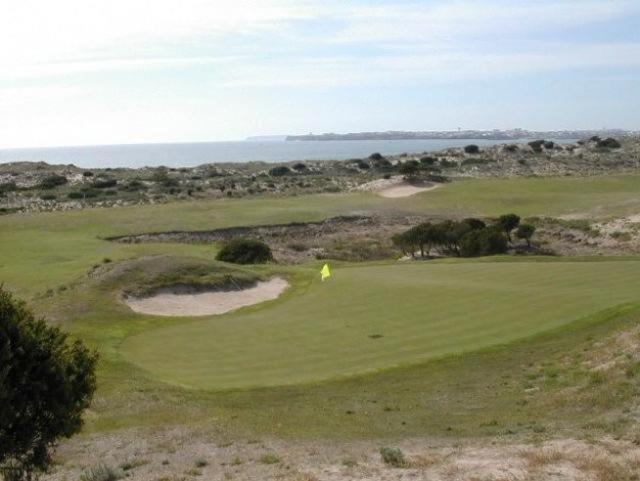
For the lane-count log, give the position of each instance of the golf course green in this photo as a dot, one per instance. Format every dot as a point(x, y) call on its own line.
point(367, 318)
point(303, 364)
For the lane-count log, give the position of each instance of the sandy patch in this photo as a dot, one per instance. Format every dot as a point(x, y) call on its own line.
point(167, 302)
point(171, 453)
point(405, 190)
point(396, 187)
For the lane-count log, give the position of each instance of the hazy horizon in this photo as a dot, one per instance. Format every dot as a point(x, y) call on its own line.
point(86, 72)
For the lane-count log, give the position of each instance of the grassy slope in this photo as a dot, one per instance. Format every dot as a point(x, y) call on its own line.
point(422, 310)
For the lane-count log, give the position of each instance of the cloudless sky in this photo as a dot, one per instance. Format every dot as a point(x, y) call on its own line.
point(76, 72)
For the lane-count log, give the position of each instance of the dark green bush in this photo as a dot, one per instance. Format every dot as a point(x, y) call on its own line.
point(53, 181)
point(8, 186)
point(483, 242)
point(46, 383)
point(525, 231)
point(376, 156)
point(409, 169)
point(471, 149)
point(104, 183)
point(609, 143)
point(536, 145)
point(393, 457)
point(300, 167)
point(245, 251)
point(279, 171)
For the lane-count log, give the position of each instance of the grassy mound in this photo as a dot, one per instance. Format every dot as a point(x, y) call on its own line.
point(144, 276)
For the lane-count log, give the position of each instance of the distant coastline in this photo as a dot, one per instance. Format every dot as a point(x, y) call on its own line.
point(507, 135)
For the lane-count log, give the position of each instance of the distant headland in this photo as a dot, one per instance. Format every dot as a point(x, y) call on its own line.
point(513, 134)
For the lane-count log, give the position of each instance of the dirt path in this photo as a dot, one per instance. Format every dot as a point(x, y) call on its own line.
point(168, 302)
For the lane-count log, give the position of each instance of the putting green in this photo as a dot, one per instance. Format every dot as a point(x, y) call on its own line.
point(373, 317)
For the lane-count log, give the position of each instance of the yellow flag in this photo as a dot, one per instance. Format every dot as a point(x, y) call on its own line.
point(325, 272)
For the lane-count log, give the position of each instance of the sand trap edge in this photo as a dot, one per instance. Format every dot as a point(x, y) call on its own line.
point(206, 303)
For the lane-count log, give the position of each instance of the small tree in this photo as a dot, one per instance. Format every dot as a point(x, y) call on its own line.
point(409, 169)
point(245, 251)
point(525, 231)
point(508, 222)
point(46, 383)
point(471, 149)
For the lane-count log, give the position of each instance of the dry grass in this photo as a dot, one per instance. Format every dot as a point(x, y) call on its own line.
point(538, 458)
point(424, 461)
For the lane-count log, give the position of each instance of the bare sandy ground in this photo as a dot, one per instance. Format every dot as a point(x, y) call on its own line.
point(396, 187)
point(171, 303)
point(182, 454)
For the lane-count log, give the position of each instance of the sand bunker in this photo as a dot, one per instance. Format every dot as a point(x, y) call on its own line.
point(170, 302)
point(396, 187)
point(405, 190)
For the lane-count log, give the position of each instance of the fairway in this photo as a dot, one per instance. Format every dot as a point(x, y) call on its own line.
point(367, 318)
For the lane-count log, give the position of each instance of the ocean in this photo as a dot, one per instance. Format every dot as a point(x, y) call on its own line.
point(193, 154)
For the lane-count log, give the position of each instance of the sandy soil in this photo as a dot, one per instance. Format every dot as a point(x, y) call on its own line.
point(183, 454)
point(171, 303)
point(396, 187)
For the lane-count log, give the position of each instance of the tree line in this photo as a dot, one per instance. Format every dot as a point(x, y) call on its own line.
point(470, 237)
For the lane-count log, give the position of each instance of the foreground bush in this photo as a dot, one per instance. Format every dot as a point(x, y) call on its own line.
point(102, 472)
point(245, 251)
point(46, 383)
point(393, 457)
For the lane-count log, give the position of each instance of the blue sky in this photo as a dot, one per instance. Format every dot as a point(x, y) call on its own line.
point(75, 72)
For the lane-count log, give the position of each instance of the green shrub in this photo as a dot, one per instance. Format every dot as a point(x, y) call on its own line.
point(446, 164)
point(536, 145)
point(245, 251)
point(409, 169)
point(48, 196)
point(483, 242)
point(104, 183)
point(279, 171)
point(609, 143)
point(525, 231)
point(269, 459)
point(299, 166)
point(8, 186)
point(376, 156)
point(46, 384)
point(471, 149)
point(101, 472)
point(393, 457)
point(507, 223)
point(53, 181)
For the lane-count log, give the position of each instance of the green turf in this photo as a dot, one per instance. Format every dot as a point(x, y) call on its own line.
point(420, 310)
point(41, 251)
point(57, 250)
